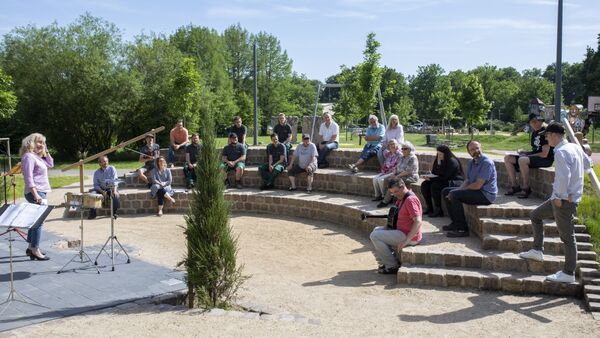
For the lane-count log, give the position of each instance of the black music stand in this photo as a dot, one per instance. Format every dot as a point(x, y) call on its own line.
point(112, 238)
point(81, 257)
point(14, 216)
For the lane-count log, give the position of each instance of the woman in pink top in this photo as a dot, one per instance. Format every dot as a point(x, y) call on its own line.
point(35, 161)
point(391, 157)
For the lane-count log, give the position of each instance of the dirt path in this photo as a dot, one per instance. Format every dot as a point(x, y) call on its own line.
point(312, 269)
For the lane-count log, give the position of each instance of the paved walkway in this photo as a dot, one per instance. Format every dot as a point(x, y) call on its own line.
point(75, 291)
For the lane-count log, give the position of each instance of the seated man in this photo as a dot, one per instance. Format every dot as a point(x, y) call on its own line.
point(541, 156)
point(284, 132)
point(240, 130)
point(105, 179)
point(277, 158)
point(479, 188)
point(373, 136)
point(233, 156)
point(179, 139)
point(329, 131)
point(306, 153)
point(191, 158)
point(407, 229)
point(148, 155)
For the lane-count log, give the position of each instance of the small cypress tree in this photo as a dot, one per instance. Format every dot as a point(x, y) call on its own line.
point(212, 274)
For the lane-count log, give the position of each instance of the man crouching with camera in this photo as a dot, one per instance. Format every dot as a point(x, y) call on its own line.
point(406, 231)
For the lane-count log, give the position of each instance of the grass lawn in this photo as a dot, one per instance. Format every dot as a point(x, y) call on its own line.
point(589, 212)
point(55, 182)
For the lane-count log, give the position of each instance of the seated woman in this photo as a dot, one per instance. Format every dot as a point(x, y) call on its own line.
point(394, 131)
point(161, 184)
point(391, 157)
point(407, 170)
point(446, 172)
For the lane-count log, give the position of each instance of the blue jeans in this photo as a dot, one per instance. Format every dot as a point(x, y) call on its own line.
point(171, 154)
point(455, 205)
point(370, 150)
point(323, 153)
point(34, 235)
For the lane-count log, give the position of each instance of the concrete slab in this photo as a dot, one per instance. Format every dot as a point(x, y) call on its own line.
point(75, 291)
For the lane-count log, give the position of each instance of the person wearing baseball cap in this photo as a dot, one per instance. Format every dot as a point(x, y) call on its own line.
point(540, 156)
point(567, 190)
point(149, 152)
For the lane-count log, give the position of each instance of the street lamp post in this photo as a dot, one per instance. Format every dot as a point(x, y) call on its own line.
point(558, 76)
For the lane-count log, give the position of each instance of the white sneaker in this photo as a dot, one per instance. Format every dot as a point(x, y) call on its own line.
point(533, 254)
point(561, 277)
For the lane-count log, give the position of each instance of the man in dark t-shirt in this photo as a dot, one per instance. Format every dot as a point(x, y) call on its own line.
point(540, 156)
point(284, 132)
point(191, 160)
point(234, 157)
point(277, 160)
point(240, 130)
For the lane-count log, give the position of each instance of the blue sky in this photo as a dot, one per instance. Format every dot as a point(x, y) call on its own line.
point(322, 35)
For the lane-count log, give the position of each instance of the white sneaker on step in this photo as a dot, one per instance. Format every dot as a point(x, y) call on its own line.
point(533, 254)
point(561, 277)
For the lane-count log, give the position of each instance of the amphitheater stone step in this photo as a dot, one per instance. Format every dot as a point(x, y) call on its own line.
point(325, 180)
point(486, 260)
point(514, 282)
point(520, 226)
point(518, 243)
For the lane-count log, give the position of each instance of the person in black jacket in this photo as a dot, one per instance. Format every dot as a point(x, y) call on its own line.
point(446, 171)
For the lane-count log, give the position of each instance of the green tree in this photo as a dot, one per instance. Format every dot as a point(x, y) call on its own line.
point(212, 273)
point(368, 77)
point(8, 99)
point(207, 49)
point(70, 81)
point(472, 102)
point(274, 74)
point(346, 106)
point(591, 71)
point(395, 95)
point(432, 94)
point(238, 46)
point(573, 86)
point(167, 87)
point(533, 85)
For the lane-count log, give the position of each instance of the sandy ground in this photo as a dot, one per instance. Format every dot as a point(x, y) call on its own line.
point(316, 270)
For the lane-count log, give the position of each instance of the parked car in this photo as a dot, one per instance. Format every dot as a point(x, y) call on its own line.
point(415, 127)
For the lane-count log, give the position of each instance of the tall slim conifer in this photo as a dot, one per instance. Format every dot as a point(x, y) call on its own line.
point(212, 273)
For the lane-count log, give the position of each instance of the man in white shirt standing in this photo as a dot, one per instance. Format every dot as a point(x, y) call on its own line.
point(567, 190)
point(330, 132)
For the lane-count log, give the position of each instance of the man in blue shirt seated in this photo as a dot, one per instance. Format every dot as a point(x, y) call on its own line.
point(373, 135)
point(105, 183)
point(479, 188)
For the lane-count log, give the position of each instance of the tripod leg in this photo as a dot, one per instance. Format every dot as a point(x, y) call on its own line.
point(100, 252)
point(123, 249)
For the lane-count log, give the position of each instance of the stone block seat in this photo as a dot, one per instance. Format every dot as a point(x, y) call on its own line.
point(487, 260)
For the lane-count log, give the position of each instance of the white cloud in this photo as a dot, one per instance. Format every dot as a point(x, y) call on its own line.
point(290, 9)
point(506, 24)
point(351, 14)
point(234, 12)
point(593, 27)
